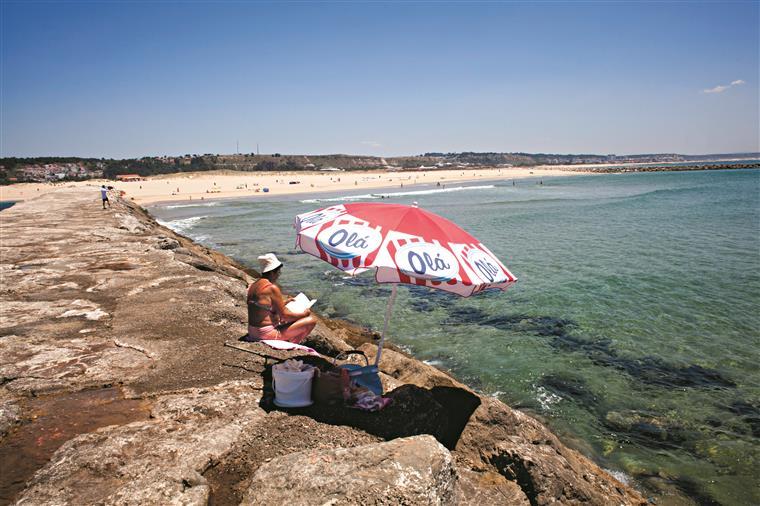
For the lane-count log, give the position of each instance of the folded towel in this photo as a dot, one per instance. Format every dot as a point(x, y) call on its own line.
point(287, 346)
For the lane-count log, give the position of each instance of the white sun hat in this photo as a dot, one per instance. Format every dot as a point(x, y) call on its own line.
point(268, 262)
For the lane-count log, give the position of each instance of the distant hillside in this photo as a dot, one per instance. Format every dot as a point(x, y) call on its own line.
point(71, 168)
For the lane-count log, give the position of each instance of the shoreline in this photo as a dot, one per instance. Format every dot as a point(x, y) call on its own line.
point(330, 194)
point(213, 185)
point(224, 184)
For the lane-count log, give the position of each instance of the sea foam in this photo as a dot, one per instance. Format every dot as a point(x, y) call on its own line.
point(387, 195)
point(179, 206)
point(182, 225)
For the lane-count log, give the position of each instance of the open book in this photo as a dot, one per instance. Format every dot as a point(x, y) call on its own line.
point(300, 304)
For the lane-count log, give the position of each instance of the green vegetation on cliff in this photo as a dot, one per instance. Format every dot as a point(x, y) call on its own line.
point(73, 168)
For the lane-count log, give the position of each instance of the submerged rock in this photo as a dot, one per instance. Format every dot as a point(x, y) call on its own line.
point(648, 430)
point(570, 387)
point(647, 369)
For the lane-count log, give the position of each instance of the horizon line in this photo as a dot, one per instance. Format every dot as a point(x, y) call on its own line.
point(421, 155)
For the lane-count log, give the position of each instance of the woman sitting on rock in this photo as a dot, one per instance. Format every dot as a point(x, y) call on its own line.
point(268, 318)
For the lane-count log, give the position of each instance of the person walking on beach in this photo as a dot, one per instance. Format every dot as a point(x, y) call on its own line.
point(104, 196)
point(268, 318)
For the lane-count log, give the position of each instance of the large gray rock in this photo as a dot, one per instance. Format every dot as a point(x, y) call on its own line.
point(415, 470)
point(158, 461)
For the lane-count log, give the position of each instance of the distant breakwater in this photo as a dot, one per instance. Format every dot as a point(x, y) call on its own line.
point(671, 168)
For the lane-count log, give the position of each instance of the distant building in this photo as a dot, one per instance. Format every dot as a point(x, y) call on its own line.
point(125, 178)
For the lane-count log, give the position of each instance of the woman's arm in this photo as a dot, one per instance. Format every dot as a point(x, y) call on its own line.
point(278, 304)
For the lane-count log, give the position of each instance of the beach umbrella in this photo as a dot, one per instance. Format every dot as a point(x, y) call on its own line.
point(402, 244)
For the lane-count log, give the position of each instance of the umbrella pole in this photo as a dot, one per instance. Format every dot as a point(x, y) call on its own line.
point(388, 309)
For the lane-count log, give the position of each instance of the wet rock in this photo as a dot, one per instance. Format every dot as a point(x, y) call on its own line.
point(158, 461)
point(415, 470)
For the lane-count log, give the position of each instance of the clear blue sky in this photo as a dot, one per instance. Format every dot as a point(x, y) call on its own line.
point(123, 79)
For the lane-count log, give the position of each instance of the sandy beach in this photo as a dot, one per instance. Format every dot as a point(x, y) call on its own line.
point(225, 184)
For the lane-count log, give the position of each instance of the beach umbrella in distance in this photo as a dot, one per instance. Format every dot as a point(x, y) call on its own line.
point(402, 244)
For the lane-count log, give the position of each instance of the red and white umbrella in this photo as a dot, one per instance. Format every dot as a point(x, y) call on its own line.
point(403, 244)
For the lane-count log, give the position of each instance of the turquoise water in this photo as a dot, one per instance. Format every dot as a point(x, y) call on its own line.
point(633, 330)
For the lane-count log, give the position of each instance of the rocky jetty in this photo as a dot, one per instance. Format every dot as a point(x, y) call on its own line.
point(123, 382)
point(620, 169)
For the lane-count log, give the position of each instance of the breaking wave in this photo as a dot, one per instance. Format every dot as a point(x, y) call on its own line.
point(182, 225)
point(205, 204)
point(387, 195)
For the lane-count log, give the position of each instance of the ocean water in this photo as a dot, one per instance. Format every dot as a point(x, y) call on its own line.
point(633, 331)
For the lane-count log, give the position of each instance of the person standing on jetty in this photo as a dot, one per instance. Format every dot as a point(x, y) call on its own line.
point(104, 196)
point(268, 318)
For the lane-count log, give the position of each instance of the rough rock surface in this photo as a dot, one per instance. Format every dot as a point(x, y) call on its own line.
point(156, 461)
point(414, 470)
point(524, 451)
point(10, 414)
point(485, 488)
point(94, 298)
point(90, 298)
